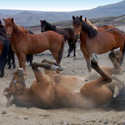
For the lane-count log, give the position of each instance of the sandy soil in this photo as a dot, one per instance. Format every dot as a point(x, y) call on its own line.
point(67, 116)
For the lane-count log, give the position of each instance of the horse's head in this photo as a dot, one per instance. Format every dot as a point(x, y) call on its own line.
point(77, 24)
point(16, 86)
point(9, 23)
point(43, 24)
point(85, 25)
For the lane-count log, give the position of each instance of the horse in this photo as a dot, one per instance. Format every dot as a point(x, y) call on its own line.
point(98, 41)
point(67, 32)
point(11, 57)
point(50, 92)
point(24, 43)
point(4, 49)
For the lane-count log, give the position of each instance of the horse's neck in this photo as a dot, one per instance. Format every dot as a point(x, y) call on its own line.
point(83, 36)
point(16, 30)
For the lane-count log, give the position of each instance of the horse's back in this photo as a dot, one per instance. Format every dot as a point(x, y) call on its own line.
point(52, 34)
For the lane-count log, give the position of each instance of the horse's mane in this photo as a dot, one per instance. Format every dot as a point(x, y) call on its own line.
point(22, 29)
point(89, 29)
point(91, 24)
point(49, 26)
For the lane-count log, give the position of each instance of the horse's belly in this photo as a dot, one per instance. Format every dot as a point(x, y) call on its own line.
point(38, 47)
point(72, 83)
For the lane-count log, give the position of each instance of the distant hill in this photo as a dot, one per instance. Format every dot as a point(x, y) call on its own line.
point(31, 18)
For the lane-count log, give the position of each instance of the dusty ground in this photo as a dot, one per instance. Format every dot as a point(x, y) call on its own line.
point(34, 116)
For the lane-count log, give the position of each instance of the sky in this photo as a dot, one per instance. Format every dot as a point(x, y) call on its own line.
point(54, 5)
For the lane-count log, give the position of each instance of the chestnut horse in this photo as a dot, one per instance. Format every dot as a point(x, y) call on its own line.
point(47, 92)
point(99, 41)
point(24, 43)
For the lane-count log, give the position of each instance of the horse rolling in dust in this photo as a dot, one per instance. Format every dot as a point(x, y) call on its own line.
point(97, 40)
point(49, 92)
point(24, 43)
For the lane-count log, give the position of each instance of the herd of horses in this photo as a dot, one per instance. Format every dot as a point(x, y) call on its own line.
point(51, 89)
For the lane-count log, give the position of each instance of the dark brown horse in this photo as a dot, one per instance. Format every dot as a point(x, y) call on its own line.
point(98, 41)
point(4, 49)
point(68, 34)
point(24, 43)
point(49, 91)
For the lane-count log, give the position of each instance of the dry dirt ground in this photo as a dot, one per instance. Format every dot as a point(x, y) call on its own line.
point(67, 116)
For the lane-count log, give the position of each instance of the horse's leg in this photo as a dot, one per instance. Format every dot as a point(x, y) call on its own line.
point(31, 59)
point(70, 47)
point(9, 58)
point(58, 54)
point(87, 58)
point(9, 61)
point(13, 59)
point(96, 67)
point(114, 59)
point(74, 49)
point(22, 60)
point(1, 66)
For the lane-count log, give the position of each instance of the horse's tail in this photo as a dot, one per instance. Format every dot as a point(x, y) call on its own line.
point(123, 54)
point(60, 54)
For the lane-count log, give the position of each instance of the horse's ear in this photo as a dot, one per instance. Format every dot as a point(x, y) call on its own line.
point(81, 18)
point(73, 17)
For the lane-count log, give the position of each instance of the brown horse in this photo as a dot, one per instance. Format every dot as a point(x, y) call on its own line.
point(50, 92)
point(98, 41)
point(24, 43)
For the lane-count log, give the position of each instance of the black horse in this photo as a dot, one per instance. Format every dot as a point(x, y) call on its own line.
point(4, 43)
point(67, 32)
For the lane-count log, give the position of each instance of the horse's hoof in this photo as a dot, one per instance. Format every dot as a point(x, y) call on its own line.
point(56, 68)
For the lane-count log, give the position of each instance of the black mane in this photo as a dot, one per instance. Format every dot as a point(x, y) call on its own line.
point(89, 30)
point(47, 26)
